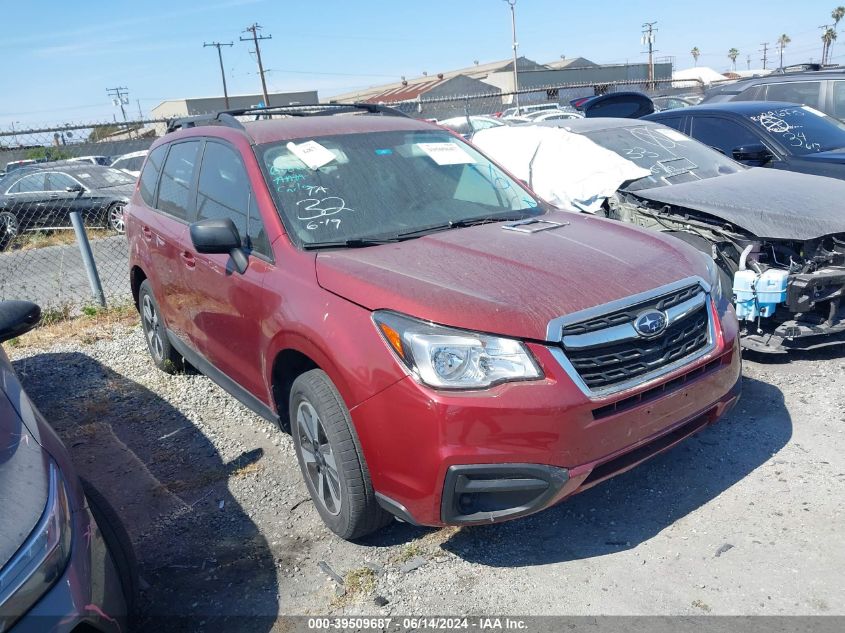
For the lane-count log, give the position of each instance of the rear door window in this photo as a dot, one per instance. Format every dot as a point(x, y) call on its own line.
point(722, 134)
point(29, 184)
point(177, 177)
point(804, 92)
point(149, 177)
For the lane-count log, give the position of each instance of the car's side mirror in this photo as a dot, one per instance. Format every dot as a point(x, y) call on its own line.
point(17, 317)
point(219, 237)
point(75, 189)
point(756, 153)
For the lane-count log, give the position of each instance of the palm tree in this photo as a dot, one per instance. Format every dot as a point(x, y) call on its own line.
point(837, 14)
point(695, 54)
point(733, 54)
point(783, 40)
point(827, 39)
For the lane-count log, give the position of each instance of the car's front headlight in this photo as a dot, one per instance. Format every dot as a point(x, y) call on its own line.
point(41, 560)
point(714, 278)
point(448, 358)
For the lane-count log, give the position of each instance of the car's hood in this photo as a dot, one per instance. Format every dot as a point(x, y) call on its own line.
point(24, 480)
point(769, 203)
point(835, 156)
point(494, 280)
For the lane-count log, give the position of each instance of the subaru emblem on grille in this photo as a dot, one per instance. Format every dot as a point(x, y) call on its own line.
point(650, 323)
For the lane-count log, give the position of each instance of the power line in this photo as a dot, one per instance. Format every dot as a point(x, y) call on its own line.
point(218, 46)
point(254, 29)
point(120, 97)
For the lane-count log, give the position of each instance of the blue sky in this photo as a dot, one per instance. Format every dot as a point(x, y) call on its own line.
point(59, 57)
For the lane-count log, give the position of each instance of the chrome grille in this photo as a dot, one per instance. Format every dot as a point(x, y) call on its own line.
point(607, 353)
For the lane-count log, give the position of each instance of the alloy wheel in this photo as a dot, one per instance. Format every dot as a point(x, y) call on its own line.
point(318, 458)
point(116, 222)
point(152, 328)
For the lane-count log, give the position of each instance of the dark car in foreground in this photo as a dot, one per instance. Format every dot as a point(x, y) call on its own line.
point(42, 197)
point(444, 347)
point(66, 564)
point(766, 134)
point(778, 237)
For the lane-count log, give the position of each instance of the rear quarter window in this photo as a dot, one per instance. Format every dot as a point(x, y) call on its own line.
point(149, 177)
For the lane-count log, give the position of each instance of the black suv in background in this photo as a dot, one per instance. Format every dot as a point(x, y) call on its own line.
point(821, 89)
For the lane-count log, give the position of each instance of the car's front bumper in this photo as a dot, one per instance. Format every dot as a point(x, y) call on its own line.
point(545, 437)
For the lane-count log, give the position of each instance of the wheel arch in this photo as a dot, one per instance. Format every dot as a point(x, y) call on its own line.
point(137, 276)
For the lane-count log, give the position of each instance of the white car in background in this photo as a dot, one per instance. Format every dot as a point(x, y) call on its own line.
point(94, 160)
point(130, 163)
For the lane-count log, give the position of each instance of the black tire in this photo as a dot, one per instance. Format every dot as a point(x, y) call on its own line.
point(165, 357)
point(118, 543)
point(8, 229)
point(356, 512)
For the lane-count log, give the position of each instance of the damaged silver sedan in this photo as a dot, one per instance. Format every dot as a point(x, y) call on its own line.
point(778, 237)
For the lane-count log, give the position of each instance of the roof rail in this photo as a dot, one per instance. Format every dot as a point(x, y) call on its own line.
point(227, 117)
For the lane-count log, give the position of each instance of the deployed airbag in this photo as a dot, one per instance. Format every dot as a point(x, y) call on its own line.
point(568, 170)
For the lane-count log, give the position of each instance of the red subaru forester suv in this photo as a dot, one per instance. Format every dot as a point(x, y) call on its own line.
point(443, 347)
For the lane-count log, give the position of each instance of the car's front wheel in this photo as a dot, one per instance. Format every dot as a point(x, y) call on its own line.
point(331, 459)
point(165, 357)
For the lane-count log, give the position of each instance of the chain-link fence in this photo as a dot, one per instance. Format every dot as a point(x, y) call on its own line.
point(496, 103)
point(48, 175)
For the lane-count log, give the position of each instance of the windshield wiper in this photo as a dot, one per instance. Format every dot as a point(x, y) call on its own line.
point(353, 242)
point(461, 224)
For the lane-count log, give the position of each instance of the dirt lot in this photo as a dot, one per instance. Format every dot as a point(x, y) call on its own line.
point(744, 518)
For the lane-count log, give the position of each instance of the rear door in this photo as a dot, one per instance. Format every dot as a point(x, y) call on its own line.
point(226, 307)
point(165, 232)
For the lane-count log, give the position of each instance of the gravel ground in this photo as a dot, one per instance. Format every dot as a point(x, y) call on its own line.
point(744, 518)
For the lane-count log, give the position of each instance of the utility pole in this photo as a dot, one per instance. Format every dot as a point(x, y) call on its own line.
point(254, 29)
point(513, 38)
point(140, 113)
point(648, 38)
point(217, 45)
point(748, 62)
point(765, 46)
point(120, 97)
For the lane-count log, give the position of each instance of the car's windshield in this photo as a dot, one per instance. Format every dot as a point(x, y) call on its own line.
point(335, 188)
point(804, 130)
point(670, 156)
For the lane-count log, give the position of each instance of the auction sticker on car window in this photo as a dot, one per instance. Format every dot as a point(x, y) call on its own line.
point(446, 153)
point(311, 153)
point(673, 135)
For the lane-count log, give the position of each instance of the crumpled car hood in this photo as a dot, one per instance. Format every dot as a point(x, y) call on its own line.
point(489, 279)
point(769, 203)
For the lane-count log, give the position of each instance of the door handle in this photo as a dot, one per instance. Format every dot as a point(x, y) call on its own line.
point(188, 259)
point(148, 234)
